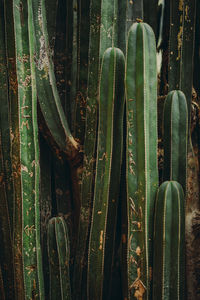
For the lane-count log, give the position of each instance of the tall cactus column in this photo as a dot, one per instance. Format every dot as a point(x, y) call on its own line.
point(112, 78)
point(29, 151)
point(142, 172)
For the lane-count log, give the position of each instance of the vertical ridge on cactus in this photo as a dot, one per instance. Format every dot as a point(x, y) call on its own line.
point(175, 138)
point(169, 242)
point(141, 156)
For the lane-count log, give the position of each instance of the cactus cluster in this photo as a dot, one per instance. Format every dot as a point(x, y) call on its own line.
point(83, 139)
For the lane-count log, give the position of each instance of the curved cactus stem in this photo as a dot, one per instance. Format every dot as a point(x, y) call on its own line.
point(46, 84)
point(169, 243)
point(142, 171)
point(111, 78)
point(59, 253)
point(175, 138)
point(29, 149)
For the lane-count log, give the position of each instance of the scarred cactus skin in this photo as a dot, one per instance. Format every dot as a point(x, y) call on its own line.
point(141, 155)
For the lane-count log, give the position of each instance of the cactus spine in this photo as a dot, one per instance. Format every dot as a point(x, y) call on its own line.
point(169, 242)
point(59, 254)
point(112, 74)
point(142, 172)
point(175, 138)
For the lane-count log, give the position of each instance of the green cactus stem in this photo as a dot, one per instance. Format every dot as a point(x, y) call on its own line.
point(15, 149)
point(169, 243)
point(175, 138)
point(46, 84)
point(142, 171)
point(110, 96)
point(29, 150)
point(59, 253)
point(102, 28)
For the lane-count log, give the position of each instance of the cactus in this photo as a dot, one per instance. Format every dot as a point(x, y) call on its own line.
point(181, 47)
point(15, 149)
point(29, 150)
point(46, 84)
point(175, 138)
point(102, 28)
point(169, 242)
point(142, 172)
point(59, 253)
point(110, 97)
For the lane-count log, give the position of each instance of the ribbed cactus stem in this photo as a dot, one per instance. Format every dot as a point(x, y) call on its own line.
point(141, 156)
point(112, 77)
point(175, 138)
point(29, 150)
point(59, 254)
point(169, 243)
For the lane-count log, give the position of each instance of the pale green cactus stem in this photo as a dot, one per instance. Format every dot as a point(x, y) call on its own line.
point(46, 84)
point(59, 254)
point(141, 156)
point(175, 138)
point(169, 243)
point(29, 150)
point(110, 96)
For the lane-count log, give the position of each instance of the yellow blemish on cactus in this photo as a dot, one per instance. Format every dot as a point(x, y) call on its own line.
point(180, 5)
point(101, 240)
point(138, 251)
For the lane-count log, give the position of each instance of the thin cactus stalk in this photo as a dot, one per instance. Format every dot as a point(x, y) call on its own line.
point(175, 138)
point(110, 94)
point(102, 28)
point(59, 254)
point(142, 171)
point(15, 149)
point(5, 119)
point(29, 150)
point(46, 84)
point(169, 243)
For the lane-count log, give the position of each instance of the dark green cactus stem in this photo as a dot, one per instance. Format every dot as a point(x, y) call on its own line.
point(181, 47)
point(46, 84)
point(175, 138)
point(29, 150)
point(169, 243)
point(15, 149)
point(5, 118)
point(134, 12)
point(142, 172)
point(110, 96)
point(59, 254)
point(101, 27)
